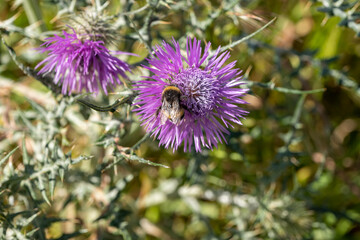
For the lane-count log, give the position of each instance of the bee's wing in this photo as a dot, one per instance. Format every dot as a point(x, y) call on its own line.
point(175, 113)
point(164, 112)
point(163, 117)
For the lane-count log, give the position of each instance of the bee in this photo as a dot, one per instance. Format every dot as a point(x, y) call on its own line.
point(171, 108)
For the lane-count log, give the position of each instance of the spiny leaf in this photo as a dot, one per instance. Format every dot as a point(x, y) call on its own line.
point(19, 235)
point(271, 86)
point(79, 159)
point(231, 45)
point(116, 161)
point(2, 161)
point(142, 160)
point(27, 122)
point(42, 190)
point(52, 183)
point(37, 107)
point(26, 160)
point(61, 174)
point(32, 232)
point(31, 190)
point(30, 219)
point(298, 109)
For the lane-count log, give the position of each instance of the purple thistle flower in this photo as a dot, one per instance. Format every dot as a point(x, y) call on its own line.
point(80, 63)
point(210, 96)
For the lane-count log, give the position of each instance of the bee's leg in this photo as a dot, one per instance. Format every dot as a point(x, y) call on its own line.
point(158, 111)
point(182, 114)
point(184, 107)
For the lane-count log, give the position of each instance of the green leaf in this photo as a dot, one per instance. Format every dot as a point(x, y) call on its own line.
point(42, 190)
point(233, 44)
point(145, 161)
point(2, 161)
point(38, 108)
point(32, 232)
point(27, 122)
point(31, 189)
point(52, 183)
point(25, 154)
point(80, 158)
point(30, 219)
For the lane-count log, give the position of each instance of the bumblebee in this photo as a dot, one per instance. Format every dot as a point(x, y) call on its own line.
point(171, 108)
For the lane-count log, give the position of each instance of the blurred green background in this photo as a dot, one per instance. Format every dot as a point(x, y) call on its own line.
point(290, 172)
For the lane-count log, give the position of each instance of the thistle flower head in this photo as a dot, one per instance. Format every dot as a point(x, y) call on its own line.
point(80, 62)
point(209, 96)
point(92, 25)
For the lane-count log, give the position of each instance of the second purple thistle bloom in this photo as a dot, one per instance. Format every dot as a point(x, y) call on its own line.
point(80, 62)
point(204, 99)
